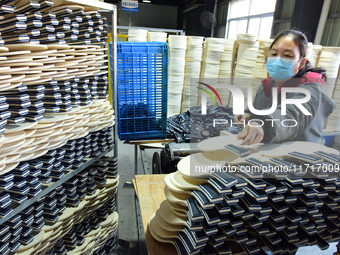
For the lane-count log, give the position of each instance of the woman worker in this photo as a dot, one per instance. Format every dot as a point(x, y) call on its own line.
point(288, 67)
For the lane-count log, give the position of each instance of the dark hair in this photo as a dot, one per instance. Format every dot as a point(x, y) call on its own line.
point(301, 41)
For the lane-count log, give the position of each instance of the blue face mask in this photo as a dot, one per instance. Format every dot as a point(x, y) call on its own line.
point(280, 69)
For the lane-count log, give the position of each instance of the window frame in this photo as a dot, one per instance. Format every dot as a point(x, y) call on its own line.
point(248, 18)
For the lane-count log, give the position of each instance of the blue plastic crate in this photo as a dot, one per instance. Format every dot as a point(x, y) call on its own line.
point(142, 83)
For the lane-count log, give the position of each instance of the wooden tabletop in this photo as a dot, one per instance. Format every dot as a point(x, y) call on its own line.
point(150, 193)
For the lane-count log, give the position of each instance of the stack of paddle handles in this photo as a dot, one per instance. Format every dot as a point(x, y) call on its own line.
point(329, 59)
point(27, 101)
point(250, 212)
point(247, 51)
point(157, 36)
point(333, 121)
point(212, 54)
point(226, 69)
point(176, 72)
point(28, 178)
point(70, 215)
point(260, 72)
point(54, 116)
point(137, 35)
point(43, 22)
point(192, 69)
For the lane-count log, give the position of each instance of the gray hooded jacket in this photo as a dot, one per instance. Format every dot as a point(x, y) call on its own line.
point(309, 127)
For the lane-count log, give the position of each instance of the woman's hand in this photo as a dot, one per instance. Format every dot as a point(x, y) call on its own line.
point(251, 135)
point(241, 118)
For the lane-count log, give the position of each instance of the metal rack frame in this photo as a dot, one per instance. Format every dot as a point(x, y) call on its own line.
point(45, 191)
point(176, 31)
point(110, 8)
point(54, 185)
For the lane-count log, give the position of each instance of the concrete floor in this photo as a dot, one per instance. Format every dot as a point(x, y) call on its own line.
point(126, 196)
point(126, 203)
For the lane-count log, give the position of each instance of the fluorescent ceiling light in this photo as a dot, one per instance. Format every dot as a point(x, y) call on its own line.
point(146, 1)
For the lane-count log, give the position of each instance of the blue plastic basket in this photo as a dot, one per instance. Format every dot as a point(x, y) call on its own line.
point(142, 83)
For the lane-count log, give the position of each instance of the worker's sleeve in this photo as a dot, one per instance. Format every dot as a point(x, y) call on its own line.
point(256, 103)
point(277, 127)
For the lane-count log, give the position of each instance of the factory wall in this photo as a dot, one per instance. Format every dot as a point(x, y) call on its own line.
point(331, 35)
point(149, 15)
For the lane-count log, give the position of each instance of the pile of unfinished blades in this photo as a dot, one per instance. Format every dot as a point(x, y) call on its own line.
point(214, 205)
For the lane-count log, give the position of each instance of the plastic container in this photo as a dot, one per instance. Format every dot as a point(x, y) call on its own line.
point(329, 140)
point(142, 83)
